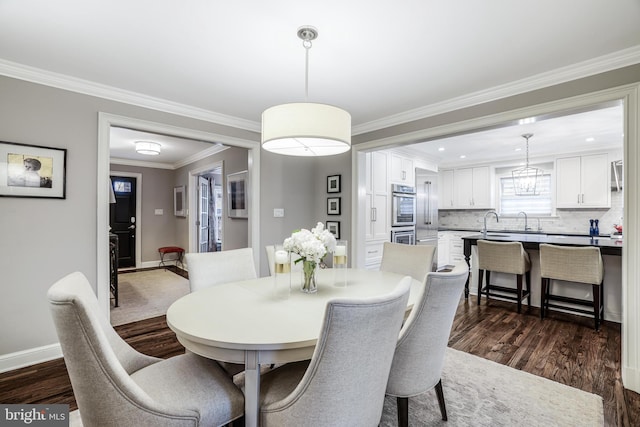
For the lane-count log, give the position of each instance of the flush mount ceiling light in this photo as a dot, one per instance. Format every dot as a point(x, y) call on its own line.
point(525, 179)
point(148, 148)
point(304, 128)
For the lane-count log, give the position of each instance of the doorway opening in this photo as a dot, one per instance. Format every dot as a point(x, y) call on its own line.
point(122, 218)
point(208, 220)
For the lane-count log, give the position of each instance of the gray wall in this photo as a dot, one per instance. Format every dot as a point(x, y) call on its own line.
point(42, 240)
point(299, 185)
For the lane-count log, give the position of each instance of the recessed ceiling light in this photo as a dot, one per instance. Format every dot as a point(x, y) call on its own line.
point(441, 149)
point(518, 149)
point(462, 156)
point(590, 139)
point(527, 121)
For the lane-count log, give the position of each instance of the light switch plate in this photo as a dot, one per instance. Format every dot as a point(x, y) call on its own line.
point(278, 213)
point(159, 211)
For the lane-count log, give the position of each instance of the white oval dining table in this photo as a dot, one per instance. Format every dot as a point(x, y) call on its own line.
point(254, 323)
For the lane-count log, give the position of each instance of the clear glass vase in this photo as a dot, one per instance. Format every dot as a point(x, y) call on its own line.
point(309, 277)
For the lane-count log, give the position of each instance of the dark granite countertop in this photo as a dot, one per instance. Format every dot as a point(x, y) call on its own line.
point(608, 245)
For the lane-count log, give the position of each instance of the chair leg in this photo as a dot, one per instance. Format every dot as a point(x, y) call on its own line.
point(528, 278)
point(543, 295)
point(596, 305)
point(403, 411)
point(480, 274)
point(487, 283)
point(519, 285)
point(440, 394)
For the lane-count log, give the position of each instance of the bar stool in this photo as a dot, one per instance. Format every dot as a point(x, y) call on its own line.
point(572, 264)
point(504, 257)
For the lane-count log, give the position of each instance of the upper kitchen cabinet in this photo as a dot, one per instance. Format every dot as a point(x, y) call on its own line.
point(583, 182)
point(402, 170)
point(445, 189)
point(377, 189)
point(466, 188)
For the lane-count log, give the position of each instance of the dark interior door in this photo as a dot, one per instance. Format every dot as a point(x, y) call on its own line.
point(122, 219)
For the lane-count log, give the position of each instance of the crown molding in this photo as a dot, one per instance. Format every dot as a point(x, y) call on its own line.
point(86, 87)
point(140, 163)
point(583, 69)
point(217, 148)
point(200, 155)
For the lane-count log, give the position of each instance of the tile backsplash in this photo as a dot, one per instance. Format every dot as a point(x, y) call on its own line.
point(570, 221)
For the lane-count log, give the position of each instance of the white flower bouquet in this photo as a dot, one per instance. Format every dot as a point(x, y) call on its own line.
point(311, 246)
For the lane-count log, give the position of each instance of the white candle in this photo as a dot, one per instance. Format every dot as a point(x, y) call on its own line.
point(340, 251)
point(281, 257)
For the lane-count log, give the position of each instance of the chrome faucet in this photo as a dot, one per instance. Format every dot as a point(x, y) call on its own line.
point(484, 230)
point(525, 220)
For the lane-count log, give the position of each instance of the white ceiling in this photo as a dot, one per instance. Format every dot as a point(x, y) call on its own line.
point(385, 62)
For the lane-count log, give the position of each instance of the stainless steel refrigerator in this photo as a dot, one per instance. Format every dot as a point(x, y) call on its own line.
point(426, 207)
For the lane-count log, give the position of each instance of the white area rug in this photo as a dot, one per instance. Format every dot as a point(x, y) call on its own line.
point(479, 392)
point(146, 294)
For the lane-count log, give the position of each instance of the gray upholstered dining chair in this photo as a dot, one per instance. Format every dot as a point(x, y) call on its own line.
point(572, 264)
point(114, 385)
point(419, 357)
point(504, 257)
point(344, 382)
point(413, 260)
point(208, 269)
point(213, 268)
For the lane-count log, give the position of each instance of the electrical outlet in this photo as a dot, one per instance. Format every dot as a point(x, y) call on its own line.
point(159, 211)
point(278, 213)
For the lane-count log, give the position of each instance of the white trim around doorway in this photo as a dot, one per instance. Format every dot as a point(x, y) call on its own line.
point(105, 122)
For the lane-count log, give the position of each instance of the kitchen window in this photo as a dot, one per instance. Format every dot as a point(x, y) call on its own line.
point(539, 205)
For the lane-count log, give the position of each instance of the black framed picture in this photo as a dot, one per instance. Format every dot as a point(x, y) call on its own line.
point(334, 228)
point(333, 206)
point(32, 171)
point(333, 184)
point(237, 195)
point(179, 208)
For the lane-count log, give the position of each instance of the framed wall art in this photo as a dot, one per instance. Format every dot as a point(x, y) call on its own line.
point(334, 228)
point(179, 201)
point(32, 171)
point(333, 184)
point(237, 195)
point(333, 206)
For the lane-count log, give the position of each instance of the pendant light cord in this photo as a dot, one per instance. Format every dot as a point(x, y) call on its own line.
point(307, 46)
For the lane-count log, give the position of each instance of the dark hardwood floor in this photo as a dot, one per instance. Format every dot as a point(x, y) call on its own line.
point(564, 348)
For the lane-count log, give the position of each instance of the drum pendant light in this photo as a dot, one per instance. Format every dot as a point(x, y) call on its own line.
point(304, 128)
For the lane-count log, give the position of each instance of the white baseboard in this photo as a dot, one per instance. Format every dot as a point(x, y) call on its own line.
point(20, 359)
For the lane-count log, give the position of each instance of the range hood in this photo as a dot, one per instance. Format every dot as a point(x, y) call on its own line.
point(616, 175)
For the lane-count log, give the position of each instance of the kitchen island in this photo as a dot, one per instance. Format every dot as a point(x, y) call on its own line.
point(610, 247)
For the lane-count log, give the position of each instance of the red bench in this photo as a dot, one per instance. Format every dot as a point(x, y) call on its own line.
point(171, 250)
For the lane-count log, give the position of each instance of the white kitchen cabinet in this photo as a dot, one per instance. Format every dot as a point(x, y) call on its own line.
point(445, 190)
point(472, 188)
point(451, 246)
point(583, 182)
point(402, 170)
point(377, 197)
point(466, 188)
